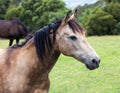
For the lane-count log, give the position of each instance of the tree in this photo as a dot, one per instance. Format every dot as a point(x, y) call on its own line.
point(14, 11)
point(81, 9)
point(4, 4)
point(41, 12)
point(36, 13)
point(15, 2)
point(101, 23)
point(109, 1)
point(85, 16)
point(114, 10)
point(103, 18)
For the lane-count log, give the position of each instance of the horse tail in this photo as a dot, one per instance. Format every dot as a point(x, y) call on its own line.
point(23, 26)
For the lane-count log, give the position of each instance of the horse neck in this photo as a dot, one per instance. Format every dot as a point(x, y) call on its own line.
point(49, 58)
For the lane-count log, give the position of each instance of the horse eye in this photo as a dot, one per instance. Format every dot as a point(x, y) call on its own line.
point(73, 37)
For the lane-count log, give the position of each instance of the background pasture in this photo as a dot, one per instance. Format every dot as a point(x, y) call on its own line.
point(71, 76)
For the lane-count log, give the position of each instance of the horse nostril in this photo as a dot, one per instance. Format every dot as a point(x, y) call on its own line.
point(94, 61)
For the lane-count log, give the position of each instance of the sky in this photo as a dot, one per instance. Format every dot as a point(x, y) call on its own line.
point(73, 3)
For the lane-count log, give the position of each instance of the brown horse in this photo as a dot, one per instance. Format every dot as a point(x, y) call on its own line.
point(12, 29)
point(25, 68)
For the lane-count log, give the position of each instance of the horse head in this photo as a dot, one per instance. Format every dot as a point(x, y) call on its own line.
point(71, 41)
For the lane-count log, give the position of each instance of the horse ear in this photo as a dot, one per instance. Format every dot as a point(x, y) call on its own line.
point(67, 17)
point(76, 13)
point(74, 16)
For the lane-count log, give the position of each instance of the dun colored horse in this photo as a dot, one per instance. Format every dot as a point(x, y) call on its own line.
point(25, 68)
point(12, 29)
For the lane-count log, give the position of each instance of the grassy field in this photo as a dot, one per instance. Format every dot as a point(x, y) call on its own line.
point(71, 76)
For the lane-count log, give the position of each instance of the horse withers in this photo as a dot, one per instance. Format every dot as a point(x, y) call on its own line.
point(25, 68)
point(12, 29)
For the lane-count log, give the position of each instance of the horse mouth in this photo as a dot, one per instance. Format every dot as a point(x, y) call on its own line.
point(92, 67)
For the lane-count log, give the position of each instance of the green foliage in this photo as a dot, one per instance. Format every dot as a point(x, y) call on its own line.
point(101, 23)
point(102, 18)
point(116, 31)
point(109, 1)
point(42, 12)
point(4, 4)
point(85, 16)
point(114, 10)
point(34, 13)
point(15, 2)
point(14, 11)
point(81, 9)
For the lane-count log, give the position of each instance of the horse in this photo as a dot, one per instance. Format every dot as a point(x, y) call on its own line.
point(12, 29)
point(25, 68)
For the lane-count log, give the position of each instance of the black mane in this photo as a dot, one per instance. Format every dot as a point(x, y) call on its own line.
point(42, 37)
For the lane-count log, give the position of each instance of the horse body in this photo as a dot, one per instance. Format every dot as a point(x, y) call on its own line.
point(25, 68)
point(7, 26)
point(12, 29)
point(21, 75)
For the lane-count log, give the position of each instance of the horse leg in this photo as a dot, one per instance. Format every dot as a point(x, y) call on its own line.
point(17, 41)
point(11, 41)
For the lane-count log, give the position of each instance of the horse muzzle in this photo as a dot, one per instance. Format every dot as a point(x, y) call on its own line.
point(93, 64)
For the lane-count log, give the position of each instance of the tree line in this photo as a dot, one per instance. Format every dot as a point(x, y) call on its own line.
point(34, 13)
point(101, 18)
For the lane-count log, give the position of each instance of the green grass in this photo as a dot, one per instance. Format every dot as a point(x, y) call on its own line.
point(4, 43)
point(71, 76)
